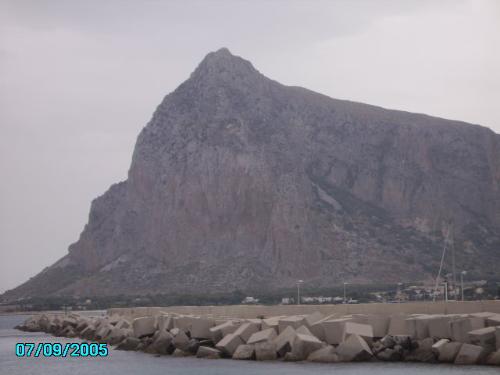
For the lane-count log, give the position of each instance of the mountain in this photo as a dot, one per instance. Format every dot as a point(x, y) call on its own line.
point(239, 182)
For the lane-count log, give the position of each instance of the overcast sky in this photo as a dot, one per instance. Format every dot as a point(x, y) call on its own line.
point(79, 79)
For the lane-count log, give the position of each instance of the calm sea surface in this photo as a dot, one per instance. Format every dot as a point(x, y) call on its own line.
point(119, 362)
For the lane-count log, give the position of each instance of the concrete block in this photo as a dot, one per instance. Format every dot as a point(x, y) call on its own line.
point(493, 359)
point(397, 325)
point(200, 328)
point(144, 326)
point(493, 321)
point(334, 330)
point(313, 318)
point(459, 328)
point(448, 352)
point(180, 339)
point(123, 324)
point(284, 341)
point(219, 331)
point(317, 327)
point(304, 330)
point(363, 330)
point(272, 322)
point(247, 329)
point(439, 327)
point(439, 344)
point(208, 352)
point(265, 350)
point(326, 354)
point(497, 336)
point(418, 327)
point(484, 315)
point(354, 349)
point(165, 322)
point(304, 345)
point(183, 322)
point(261, 336)
point(470, 354)
point(294, 321)
point(229, 344)
point(484, 337)
point(245, 352)
point(379, 323)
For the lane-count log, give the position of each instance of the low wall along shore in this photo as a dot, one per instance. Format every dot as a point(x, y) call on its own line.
point(463, 333)
point(254, 311)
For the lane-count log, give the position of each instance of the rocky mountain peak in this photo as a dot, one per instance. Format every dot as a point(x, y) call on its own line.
point(223, 65)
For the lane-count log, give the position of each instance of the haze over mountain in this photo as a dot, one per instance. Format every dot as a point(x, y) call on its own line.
point(239, 182)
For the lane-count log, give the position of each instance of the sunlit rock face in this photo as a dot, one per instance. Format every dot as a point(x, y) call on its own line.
point(239, 182)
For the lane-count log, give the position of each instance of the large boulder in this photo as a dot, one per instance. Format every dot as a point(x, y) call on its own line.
point(261, 336)
point(246, 330)
point(265, 351)
point(128, 343)
point(470, 354)
point(389, 355)
point(144, 326)
point(244, 351)
point(162, 343)
point(484, 337)
point(180, 353)
point(229, 344)
point(354, 349)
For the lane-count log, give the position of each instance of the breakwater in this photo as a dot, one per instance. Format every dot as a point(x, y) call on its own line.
point(327, 334)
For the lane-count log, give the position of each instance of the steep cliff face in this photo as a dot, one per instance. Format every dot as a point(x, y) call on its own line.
point(240, 182)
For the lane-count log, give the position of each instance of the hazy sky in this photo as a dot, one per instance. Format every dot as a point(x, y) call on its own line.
point(79, 79)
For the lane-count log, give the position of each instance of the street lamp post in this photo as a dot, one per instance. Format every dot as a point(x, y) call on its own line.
point(345, 298)
point(298, 291)
point(462, 274)
point(446, 290)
